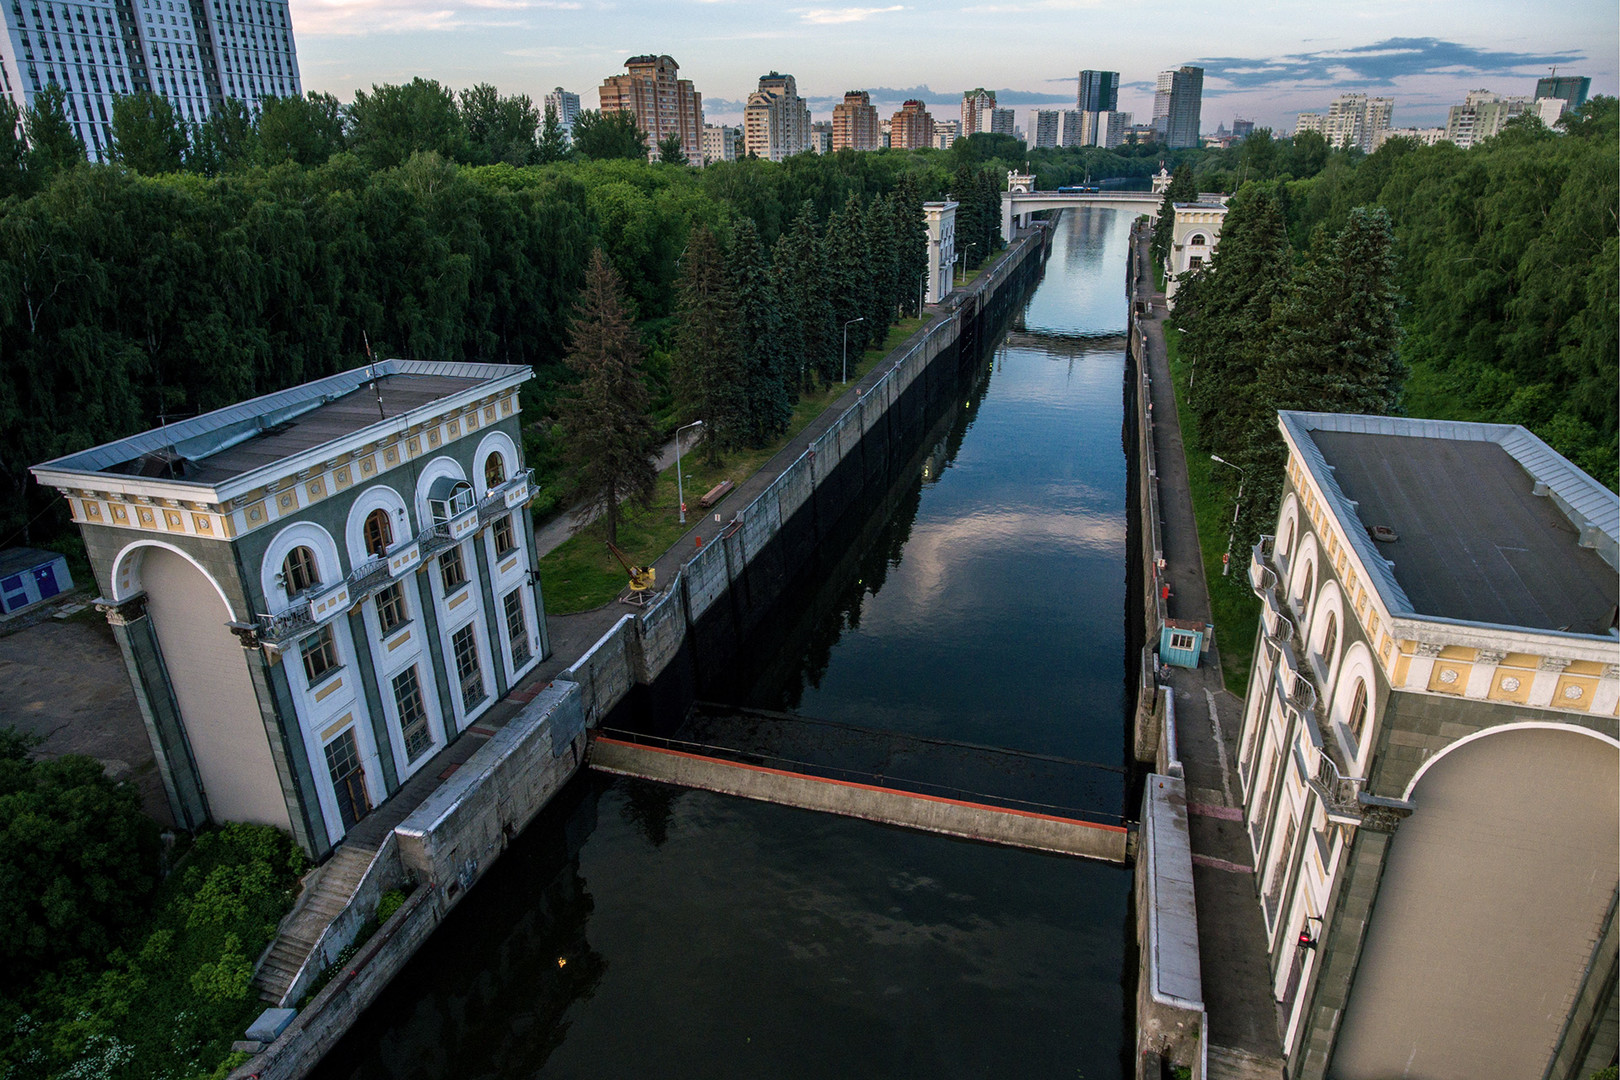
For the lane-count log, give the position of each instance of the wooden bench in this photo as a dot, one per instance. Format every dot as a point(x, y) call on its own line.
point(716, 493)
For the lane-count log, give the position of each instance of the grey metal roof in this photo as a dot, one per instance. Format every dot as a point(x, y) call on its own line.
point(1494, 526)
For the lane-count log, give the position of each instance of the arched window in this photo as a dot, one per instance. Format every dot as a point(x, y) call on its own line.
point(1307, 587)
point(1288, 541)
point(1358, 711)
point(1197, 238)
point(379, 532)
point(298, 571)
point(494, 471)
point(1330, 640)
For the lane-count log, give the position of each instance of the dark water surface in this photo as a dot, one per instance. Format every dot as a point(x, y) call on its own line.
point(638, 930)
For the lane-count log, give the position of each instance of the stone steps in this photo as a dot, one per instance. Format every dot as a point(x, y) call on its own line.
point(325, 897)
point(1230, 1063)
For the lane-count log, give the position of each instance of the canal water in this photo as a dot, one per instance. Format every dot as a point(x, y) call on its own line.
point(638, 930)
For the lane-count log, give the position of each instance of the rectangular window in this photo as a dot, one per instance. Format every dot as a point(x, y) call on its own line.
point(517, 630)
point(391, 608)
point(452, 571)
point(464, 643)
point(413, 725)
point(1181, 641)
point(504, 540)
point(320, 655)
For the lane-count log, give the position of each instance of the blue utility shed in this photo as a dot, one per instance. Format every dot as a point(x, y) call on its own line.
point(29, 576)
point(1181, 642)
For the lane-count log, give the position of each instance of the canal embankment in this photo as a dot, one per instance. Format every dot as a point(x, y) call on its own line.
point(651, 661)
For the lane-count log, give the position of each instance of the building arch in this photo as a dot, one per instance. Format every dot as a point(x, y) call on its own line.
point(299, 534)
point(1519, 725)
point(1288, 527)
point(376, 497)
point(126, 573)
point(1328, 614)
point(1357, 666)
point(499, 443)
point(1302, 581)
point(433, 470)
point(1197, 239)
point(1491, 897)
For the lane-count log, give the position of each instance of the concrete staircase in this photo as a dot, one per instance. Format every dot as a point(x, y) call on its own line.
point(1230, 1063)
point(326, 893)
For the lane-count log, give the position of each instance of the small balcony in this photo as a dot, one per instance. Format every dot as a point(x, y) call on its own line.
point(1262, 578)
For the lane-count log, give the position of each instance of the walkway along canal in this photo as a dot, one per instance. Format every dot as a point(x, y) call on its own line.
point(970, 587)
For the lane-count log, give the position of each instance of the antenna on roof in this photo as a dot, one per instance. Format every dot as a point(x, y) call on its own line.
point(371, 369)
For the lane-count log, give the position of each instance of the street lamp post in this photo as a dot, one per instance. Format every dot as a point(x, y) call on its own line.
point(680, 481)
point(847, 325)
point(1226, 560)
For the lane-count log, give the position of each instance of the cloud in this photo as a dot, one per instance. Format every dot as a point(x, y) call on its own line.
point(335, 18)
point(1378, 65)
point(828, 16)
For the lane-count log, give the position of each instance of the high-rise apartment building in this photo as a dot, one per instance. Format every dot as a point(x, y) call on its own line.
point(855, 123)
point(662, 103)
point(1484, 114)
point(1242, 129)
point(945, 133)
point(776, 120)
point(1044, 129)
point(1177, 104)
point(194, 57)
point(975, 102)
point(912, 128)
point(1352, 120)
point(997, 122)
point(565, 105)
point(1099, 91)
point(721, 143)
point(1572, 89)
point(821, 137)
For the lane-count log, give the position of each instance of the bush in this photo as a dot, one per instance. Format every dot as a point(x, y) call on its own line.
point(390, 902)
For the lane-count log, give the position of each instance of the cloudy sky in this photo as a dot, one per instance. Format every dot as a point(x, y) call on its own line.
point(1264, 60)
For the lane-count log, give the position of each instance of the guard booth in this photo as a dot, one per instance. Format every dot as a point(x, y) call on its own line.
point(1181, 642)
point(29, 576)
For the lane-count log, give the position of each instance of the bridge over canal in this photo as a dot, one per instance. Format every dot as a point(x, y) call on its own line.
point(1020, 200)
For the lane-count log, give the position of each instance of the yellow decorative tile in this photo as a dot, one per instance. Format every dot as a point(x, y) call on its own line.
point(414, 446)
point(254, 514)
point(286, 500)
point(1584, 667)
point(397, 642)
point(433, 437)
point(342, 478)
point(203, 524)
point(489, 414)
point(1574, 692)
point(146, 518)
point(368, 465)
point(316, 489)
point(455, 430)
point(120, 515)
point(326, 691)
point(1511, 685)
point(1449, 678)
point(92, 510)
point(391, 456)
point(1459, 652)
point(337, 726)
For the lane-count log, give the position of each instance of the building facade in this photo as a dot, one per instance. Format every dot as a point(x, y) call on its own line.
point(776, 120)
point(193, 55)
point(1177, 106)
point(821, 137)
point(566, 106)
point(721, 143)
point(662, 102)
point(1570, 89)
point(912, 128)
point(1429, 754)
point(1352, 120)
point(975, 102)
point(941, 218)
point(855, 123)
point(1099, 91)
point(945, 133)
point(1193, 239)
point(1044, 129)
point(316, 590)
point(1483, 115)
point(997, 122)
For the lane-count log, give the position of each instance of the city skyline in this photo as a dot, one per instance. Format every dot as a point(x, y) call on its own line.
point(1267, 69)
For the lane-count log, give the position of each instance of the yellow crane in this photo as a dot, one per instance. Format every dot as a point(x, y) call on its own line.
point(641, 578)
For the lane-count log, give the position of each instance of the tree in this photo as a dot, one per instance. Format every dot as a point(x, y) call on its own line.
point(669, 150)
point(499, 129)
point(809, 340)
point(147, 135)
point(227, 140)
point(78, 860)
point(553, 139)
point(52, 143)
point(710, 369)
point(604, 419)
point(603, 136)
point(769, 390)
point(307, 130)
point(846, 284)
point(1182, 189)
point(393, 122)
point(910, 243)
point(13, 150)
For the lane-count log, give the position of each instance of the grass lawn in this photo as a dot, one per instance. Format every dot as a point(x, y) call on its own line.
point(966, 277)
point(582, 573)
point(1233, 607)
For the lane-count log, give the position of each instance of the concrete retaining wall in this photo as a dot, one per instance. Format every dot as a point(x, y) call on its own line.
point(385, 872)
point(1139, 396)
point(1170, 1018)
point(931, 813)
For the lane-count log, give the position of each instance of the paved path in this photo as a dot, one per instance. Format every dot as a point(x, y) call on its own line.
point(1231, 932)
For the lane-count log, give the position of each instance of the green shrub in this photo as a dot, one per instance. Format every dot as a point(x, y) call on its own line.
point(391, 901)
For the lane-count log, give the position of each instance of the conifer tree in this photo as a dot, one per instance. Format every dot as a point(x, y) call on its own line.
point(709, 370)
point(670, 151)
point(846, 280)
point(13, 151)
point(52, 143)
point(809, 340)
point(882, 267)
point(553, 139)
point(609, 437)
point(768, 391)
point(1182, 189)
point(910, 242)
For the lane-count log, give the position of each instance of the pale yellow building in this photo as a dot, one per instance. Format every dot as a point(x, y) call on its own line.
point(663, 103)
point(855, 123)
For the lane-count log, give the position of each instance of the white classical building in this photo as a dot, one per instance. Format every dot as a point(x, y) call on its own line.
point(1430, 753)
point(941, 218)
point(1196, 232)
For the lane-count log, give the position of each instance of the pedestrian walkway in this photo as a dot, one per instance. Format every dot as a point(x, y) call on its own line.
point(1231, 933)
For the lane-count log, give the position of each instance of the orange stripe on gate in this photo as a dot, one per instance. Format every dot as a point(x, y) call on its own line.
point(865, 787)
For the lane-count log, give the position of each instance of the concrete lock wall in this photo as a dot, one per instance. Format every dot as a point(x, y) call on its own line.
point(1170, 1017)
point(385, 872)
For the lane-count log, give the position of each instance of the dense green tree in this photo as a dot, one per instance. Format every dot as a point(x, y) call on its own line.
point(307, 130)
point(670, 152)
point(228, 140)
point(1183, 188)
point(553, 146)
point(603, 136)
point(499, 129)
point(610, 438)
point(882, 268)
point(809, 338)
point(393, 122)
point(710, 367)
point(769, 388)
point(845, 261)
point(147, 135)
point(52, 143)
point(13, 150)
point(78, 860)
point(910, 243)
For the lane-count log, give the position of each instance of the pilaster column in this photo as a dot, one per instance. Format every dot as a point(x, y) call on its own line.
point(1608, 691)
point(1421, 668)
point(1483, 675)
point(1546, 681)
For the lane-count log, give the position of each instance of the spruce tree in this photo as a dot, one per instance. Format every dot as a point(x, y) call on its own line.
point(846, 281)
point(52, 143)
point(768, 390)
point(670, 151)
point(882, 268)
point(13, 151)
point(709, 370)
point(809, 340)
point(1182, 189)
point(608, 436)
point(553, 139)
point(910, 242)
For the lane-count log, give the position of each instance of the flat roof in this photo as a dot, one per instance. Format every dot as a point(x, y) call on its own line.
point(227, 443)
point(1493, 526)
